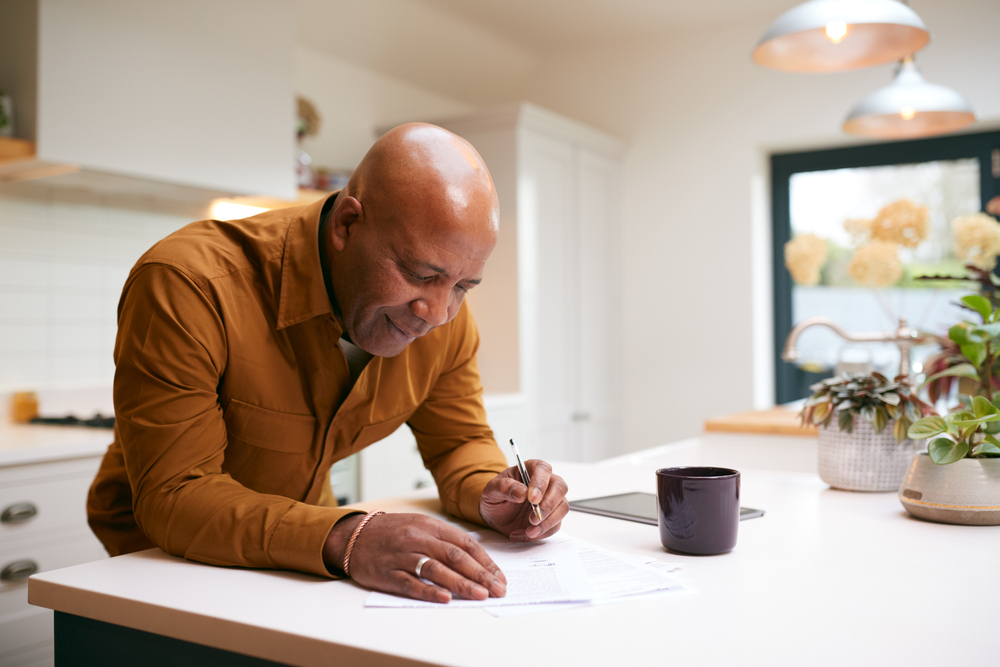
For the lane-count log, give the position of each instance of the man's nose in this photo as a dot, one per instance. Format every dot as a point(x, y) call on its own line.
point(432, 307)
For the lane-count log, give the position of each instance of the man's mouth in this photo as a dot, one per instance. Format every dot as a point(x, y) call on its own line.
point(400, 331)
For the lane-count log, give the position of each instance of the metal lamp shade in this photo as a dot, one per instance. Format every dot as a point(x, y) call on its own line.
point(909, 107)
point(877, 31)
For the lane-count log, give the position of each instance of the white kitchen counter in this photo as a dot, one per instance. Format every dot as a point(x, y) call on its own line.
point(21, 444)
point(825, 578)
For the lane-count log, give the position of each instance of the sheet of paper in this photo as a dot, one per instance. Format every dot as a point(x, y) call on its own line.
point(615, 577)
point(548, 571)
point(562, 571)
point(521, 610)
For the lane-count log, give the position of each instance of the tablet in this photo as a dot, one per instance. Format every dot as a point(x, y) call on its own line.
point(639, 507)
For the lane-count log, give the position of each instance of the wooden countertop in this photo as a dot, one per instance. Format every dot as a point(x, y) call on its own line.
point(774, 421)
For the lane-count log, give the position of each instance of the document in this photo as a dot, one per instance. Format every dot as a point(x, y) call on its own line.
point(547, 571)
point(614, 577)
point(561, 572)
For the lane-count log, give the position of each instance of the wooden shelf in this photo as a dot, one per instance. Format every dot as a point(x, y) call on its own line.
point(776, 421)
point(15, 149)
point(19, 164)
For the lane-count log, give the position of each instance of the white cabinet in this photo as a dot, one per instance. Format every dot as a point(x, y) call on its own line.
point(187, 92)
point(558, 181)
point(44, 527)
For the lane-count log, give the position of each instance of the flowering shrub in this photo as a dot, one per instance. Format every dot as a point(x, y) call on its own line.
point(876, 264)
point(804, 256)
point(977, 239)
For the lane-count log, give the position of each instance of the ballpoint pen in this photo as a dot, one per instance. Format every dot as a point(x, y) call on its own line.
point(524, 476)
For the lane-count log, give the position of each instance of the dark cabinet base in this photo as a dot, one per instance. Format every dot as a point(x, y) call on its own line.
point(85, 642)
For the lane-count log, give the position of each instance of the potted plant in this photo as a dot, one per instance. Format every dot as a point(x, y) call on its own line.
point(867, 449)
point(958, 479)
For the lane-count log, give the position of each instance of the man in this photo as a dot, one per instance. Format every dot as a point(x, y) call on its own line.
point(253, 354)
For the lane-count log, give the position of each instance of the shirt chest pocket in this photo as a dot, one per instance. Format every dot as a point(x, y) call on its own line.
point(269, 429)
point(269, 451)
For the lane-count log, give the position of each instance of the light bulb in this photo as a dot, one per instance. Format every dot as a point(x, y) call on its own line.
point(907, 113)
point(836, 31)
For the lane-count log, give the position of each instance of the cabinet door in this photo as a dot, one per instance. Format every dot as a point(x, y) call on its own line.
point(548, 197)
point(598, 311)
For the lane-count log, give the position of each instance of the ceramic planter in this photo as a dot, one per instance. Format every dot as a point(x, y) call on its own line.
point(965, 492)
point(863, 460)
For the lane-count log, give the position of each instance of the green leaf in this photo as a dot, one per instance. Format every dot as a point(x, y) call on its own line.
point(912, 413)
point(987, 448)
point(975, 353)
point(820, 411)
point(987, 331)
point(979, 304)
point(959, 333)
point(895, 411)
point(982, 407)
point(927, 427)
point(881, 419)
point(868, 412)
point(944, 451)
point(846, 421)
point(899, 429)
point(891, 399)
point(961, 370)
point(991, 427)
point(970, 421)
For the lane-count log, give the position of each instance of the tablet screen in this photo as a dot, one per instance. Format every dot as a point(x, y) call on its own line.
point(639, 507)
point(632, 506)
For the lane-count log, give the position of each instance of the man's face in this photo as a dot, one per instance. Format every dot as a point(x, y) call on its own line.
point(408, 274)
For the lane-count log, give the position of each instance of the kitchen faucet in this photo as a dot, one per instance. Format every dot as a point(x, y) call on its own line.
point(904, 337)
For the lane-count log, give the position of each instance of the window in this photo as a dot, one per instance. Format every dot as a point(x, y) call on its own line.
point(817, 192)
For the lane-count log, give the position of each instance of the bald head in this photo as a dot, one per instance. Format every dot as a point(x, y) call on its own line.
point(409, 236)
point(418, 162)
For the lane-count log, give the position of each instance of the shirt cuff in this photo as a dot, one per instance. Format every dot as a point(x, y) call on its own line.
point(471, 495)
point(298, 540)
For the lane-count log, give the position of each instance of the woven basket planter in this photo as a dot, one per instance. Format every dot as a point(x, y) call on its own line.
point(863, 460)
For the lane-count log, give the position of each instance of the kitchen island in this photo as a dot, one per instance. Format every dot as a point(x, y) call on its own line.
point(824, 578)
point(45, 472)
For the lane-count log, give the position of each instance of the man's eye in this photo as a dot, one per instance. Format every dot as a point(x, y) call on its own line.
point(415, 277)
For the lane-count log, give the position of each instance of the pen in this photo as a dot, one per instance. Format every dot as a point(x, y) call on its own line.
point(524, 476)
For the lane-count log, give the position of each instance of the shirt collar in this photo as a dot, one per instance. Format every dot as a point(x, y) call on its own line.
point(303, 290)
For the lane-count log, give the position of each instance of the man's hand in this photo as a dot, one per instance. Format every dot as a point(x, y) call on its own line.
point(504, 509)
point(387, 551)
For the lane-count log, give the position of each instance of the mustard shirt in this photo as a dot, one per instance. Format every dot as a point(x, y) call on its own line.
point(233, 399)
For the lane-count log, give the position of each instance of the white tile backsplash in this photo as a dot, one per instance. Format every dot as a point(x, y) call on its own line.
point(64, 258)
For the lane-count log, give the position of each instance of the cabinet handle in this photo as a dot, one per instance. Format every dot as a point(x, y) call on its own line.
point(18, 570)
point(18, 513)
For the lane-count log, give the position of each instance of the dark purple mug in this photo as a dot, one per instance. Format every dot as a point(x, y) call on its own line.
point(698, 509)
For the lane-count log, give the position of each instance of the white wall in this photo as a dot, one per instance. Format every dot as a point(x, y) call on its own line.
point(700, 119)
point(353, 101)
point(64, 258)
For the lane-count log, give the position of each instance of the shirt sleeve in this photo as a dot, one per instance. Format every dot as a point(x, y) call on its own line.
point(450, 426)
point(170, 355)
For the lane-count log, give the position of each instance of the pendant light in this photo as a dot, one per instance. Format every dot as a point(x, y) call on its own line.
point(909, 107)
point(839, 35)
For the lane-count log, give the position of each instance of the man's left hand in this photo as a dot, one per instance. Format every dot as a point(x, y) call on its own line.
point(505, 504)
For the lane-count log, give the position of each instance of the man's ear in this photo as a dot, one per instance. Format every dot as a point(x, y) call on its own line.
point(346, 213)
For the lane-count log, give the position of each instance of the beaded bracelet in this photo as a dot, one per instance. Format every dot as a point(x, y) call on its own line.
point(354, 537)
